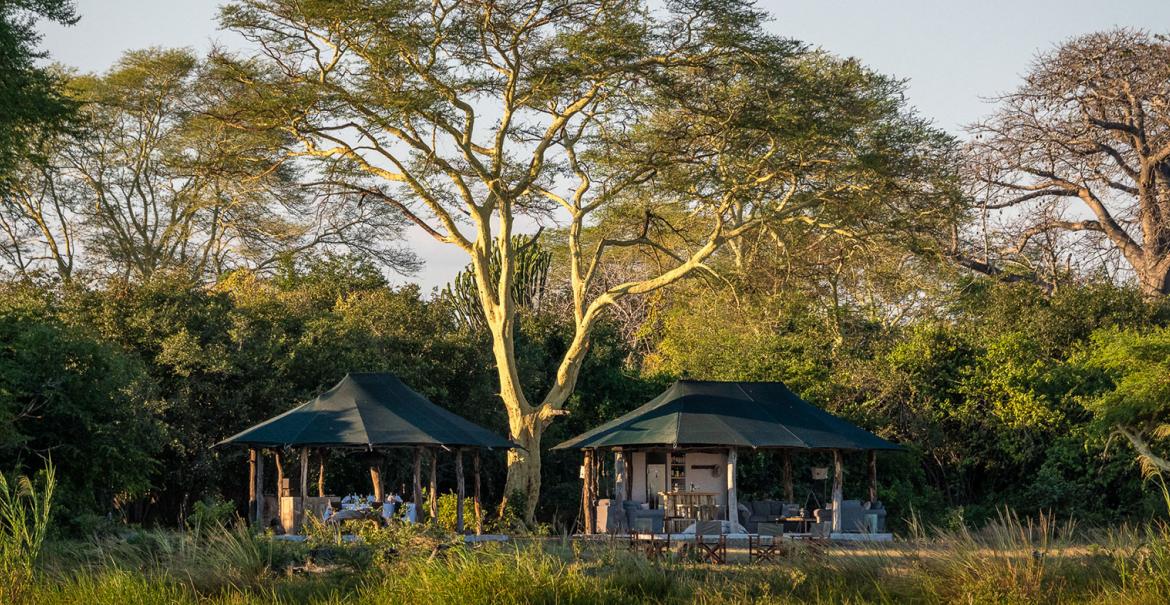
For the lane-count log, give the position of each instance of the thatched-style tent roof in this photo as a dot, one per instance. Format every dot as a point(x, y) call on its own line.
point(368, 410)
point(740, 414)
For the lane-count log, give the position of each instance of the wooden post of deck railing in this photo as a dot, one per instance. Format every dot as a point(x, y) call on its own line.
point(732, 497)
point(872, 476)
point(788, 492)
point(838, 496)
point(587, 493)
point(260, 488)
point(433, 497)
point(252, 485)
point(478, 512)
point(459, 491)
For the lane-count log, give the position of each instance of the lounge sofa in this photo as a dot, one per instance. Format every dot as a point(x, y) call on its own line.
point(630, 517)
point(854, 516)
point(754, 512)
point(638, 518)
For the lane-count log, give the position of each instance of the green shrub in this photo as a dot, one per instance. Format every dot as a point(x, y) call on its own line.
point(210, 512)
point(447, 512)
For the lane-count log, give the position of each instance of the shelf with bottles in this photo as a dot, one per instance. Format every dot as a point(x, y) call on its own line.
point(678, 472)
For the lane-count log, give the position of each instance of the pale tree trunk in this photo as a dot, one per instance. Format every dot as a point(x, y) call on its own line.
point(524, 466)
point(526, 422)
point(1151, 463)
point(499, 311)
point(1154, 278)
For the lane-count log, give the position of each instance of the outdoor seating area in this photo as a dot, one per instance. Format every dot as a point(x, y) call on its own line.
point(709, 542)
point(675, 476)
point(364, 414)
point(675, 472)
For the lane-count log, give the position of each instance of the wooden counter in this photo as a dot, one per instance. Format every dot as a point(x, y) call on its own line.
point(700, 506)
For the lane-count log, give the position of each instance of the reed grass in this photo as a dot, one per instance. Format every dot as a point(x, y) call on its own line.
point(1011, 560)
point(26, 507)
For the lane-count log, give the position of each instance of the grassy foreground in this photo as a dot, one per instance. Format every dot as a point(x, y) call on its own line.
point(1007, 562)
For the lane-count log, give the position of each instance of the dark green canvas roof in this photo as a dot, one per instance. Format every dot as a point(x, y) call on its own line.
point(368, 410)
point(744, 414)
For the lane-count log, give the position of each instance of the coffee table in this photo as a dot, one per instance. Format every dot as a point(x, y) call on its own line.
point(802, 523)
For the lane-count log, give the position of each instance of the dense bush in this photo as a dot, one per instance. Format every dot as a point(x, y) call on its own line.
point(996, 391)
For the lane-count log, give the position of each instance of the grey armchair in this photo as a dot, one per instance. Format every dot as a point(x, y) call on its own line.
point(855, 517)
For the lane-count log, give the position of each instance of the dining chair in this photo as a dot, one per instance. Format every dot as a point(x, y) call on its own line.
point(766, 544)
point(709, 549)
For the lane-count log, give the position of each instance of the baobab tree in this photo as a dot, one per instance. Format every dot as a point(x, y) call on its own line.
point(1083, 148)
point(668, 131)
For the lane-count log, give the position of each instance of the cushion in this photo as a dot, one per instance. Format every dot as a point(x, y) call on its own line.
point(761, 508)
point(777, 508)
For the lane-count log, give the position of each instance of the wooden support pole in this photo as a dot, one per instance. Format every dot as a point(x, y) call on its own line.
point(788, 491)
point(376, 476)
point(321, 454)
point(260, 488)
point(838, 486)
point(433, 496)
point(619, 479)
point(460, 491)
point(732, 497)
point(279, 476)
point(416, 498)
point(478, 512)
point(588, 509)
point(252, 486)
point(872, 476)
point(304, 474)
point(595, 489)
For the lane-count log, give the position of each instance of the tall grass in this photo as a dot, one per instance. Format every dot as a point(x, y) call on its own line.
point(25, 509)
point(1140, 560)
point(519, 576)
point(1011, 560)
point(1007, 561)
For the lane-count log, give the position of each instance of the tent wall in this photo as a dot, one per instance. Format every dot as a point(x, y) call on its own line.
point(703, 479)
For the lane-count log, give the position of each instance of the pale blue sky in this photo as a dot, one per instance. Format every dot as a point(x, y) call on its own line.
point(953, 52)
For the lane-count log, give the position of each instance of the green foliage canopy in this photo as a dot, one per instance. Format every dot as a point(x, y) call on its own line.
point(31, 98)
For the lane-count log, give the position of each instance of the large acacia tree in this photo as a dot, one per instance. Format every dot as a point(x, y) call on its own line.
point(664, 132)
point(148, 181)
point(1082, 149)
